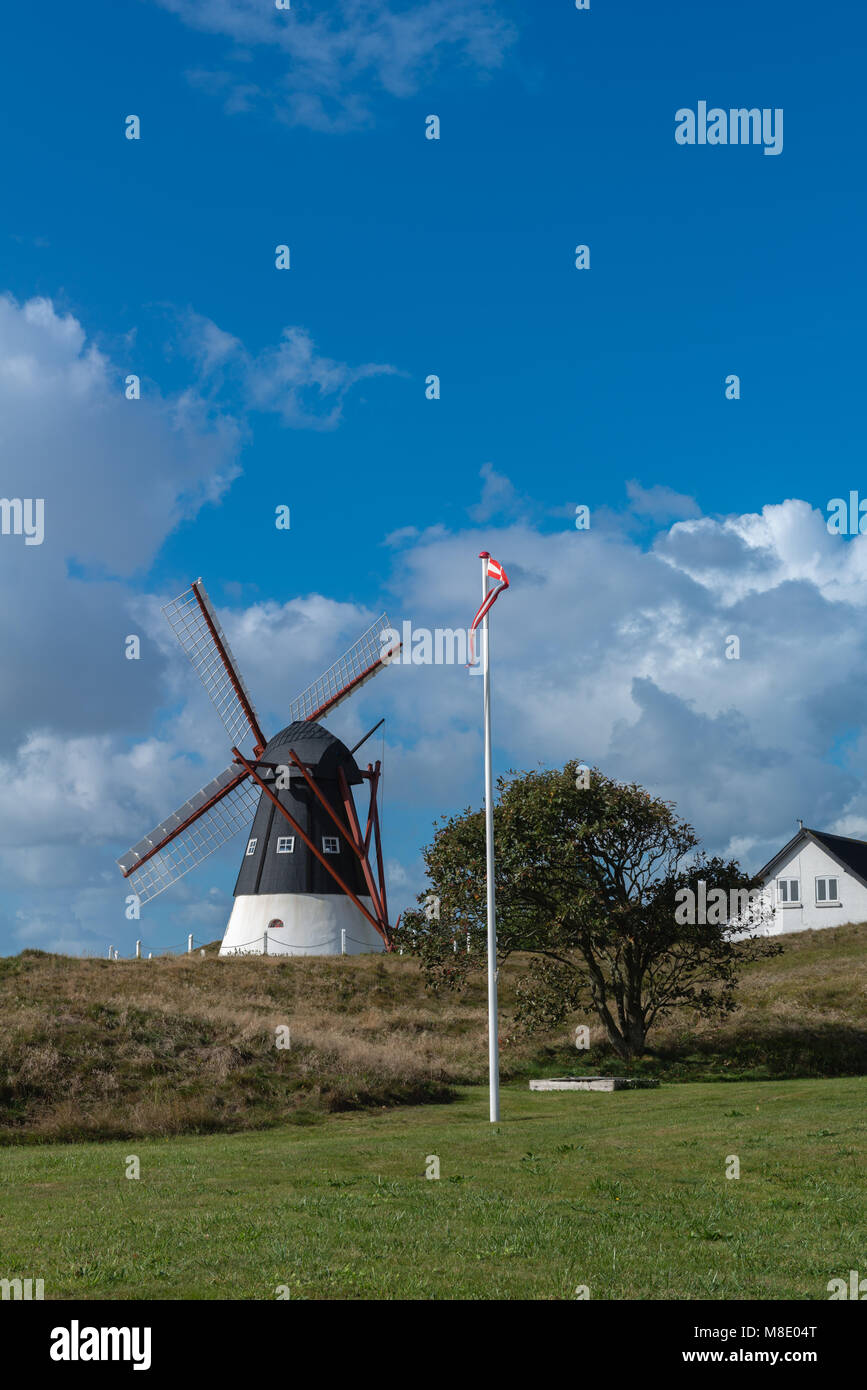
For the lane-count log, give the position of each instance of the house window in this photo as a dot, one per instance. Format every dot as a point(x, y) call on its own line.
point(788, 891)
point(330, 844)
point(826, 890)
point(251, 847)
point(286, 844)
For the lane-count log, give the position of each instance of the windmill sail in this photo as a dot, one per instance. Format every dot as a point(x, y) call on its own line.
point(198, 828)
point(197, 628)
point(359, 664)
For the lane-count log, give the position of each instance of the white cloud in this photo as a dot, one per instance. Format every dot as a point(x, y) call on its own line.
point(89, 759)
point(757, 552)
point(499, 496)
point(116, 477)
point(292, 379)
point(66, 423)
point(324, 69)
point(660, 503)
point(617, 655)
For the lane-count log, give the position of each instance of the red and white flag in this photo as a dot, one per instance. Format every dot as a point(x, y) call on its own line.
point(501, 582)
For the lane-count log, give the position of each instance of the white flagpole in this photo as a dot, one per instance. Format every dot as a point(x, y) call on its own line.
point(493, 1038)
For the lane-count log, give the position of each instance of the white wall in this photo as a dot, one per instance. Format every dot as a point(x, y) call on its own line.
point(312, 925)
point(807, 862)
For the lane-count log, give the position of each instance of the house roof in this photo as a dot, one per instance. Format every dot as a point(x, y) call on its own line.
point(849, 854)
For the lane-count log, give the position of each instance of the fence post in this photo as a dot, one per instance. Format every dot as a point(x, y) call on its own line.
point(150, 955)
point(138, 950)
point(343, 941)
point(110, 949)
point(265, 940)
point(190, 944)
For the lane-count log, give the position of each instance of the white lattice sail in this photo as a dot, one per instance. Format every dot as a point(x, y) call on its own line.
point(188, 616)
point(351, 670)
point(167, 853)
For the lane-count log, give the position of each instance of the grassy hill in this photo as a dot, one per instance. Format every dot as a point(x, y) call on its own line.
point(96, 1049)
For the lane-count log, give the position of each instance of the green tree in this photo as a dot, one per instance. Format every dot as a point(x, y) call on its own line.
point(590, 882)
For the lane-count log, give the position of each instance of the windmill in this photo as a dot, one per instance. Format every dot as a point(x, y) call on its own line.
point(306, 885)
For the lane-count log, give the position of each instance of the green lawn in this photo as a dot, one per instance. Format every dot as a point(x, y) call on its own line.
point(625, 1193)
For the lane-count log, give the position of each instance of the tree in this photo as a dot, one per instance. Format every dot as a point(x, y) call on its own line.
point(593, 880)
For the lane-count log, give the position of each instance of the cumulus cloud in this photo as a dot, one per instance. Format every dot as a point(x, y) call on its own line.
point(116, 476)
point(325, 69)
point(96, 749)
point(617, 655)
point(757, 552)
point(66, 424)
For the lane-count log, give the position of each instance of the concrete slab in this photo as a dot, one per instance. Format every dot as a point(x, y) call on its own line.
point(593, 1083)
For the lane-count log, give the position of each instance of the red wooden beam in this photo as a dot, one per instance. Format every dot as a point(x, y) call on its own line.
point(236, 684)
point(365, 862)
point(373, 779)
point(313, 850)
point(379, 866)
point(167, 839)
point(356, 845)
point(354, 683)
point(353, 836)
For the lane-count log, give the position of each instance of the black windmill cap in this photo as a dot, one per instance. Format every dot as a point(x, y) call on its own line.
point(316, 747)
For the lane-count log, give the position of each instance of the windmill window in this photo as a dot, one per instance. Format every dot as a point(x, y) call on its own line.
point(826, 890)
point(330, 844)
point(286, 844)
point(251, 847)
point(789, 891)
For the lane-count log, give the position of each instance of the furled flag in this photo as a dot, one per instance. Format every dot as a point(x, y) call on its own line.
point(498, 574)
point(491, 569)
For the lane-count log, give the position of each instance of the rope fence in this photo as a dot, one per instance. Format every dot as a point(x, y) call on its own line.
point(143, 952)
point(296, 945)
point(183, 948)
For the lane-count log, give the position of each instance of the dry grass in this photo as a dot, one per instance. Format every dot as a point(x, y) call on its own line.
point(102, 1049)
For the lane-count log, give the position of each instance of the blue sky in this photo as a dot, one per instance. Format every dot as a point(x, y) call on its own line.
point(412, 257)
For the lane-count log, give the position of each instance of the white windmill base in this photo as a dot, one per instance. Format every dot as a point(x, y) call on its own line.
point(312, 925)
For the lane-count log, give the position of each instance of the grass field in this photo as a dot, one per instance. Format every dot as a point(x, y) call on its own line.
point(625, 1193)
point(97, 1049)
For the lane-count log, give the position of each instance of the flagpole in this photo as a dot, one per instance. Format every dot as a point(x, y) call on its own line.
point(493, 1030)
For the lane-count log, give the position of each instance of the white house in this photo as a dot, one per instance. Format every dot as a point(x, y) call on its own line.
point(816, 880)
